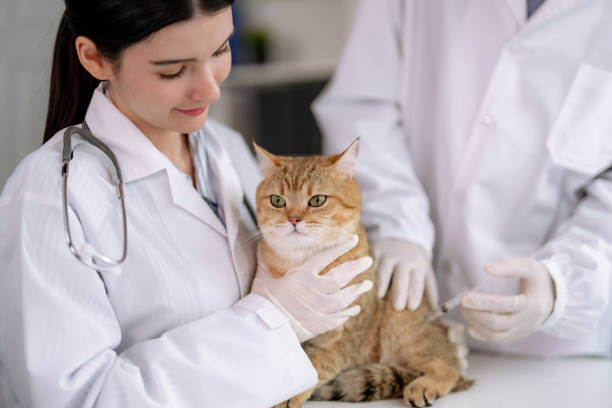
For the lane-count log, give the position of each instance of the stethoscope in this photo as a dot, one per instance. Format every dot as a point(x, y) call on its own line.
point(88, 255)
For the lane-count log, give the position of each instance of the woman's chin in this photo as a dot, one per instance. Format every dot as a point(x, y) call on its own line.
point(192, 124)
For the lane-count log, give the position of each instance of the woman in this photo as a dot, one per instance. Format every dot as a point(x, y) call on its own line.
point(168, 326)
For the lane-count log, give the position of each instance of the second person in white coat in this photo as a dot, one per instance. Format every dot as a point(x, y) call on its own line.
point(486, 143)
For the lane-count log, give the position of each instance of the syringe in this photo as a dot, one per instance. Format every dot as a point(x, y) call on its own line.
point(449, 304)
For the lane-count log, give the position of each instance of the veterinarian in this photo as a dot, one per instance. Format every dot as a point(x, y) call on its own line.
point(486, 154)
point(172, 324)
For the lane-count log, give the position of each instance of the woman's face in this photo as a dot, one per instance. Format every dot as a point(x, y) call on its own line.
point(166, 83)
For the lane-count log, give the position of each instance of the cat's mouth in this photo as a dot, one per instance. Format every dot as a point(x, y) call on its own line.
point(296, 229)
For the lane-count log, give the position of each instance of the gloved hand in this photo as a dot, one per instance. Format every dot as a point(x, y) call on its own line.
point(500, 318)
point(316, 304)
point(408, 265)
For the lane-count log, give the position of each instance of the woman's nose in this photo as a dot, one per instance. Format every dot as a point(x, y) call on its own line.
point(206, 87)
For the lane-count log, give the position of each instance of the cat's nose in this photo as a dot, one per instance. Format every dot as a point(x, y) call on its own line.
point(294, 220)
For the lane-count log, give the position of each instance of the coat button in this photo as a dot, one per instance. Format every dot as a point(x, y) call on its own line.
point(487, 121)
point(516, 47)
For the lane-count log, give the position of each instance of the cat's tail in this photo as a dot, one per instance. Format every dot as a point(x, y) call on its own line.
point(372, 382)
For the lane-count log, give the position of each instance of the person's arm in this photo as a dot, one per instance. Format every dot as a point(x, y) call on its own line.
point(59, 335)
point(565, 285)
point(579, 260)
point(364, 100)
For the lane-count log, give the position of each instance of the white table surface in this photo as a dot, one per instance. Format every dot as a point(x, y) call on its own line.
point(519, 383)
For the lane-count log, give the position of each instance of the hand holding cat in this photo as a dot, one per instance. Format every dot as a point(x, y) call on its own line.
point(500, 318)
point(316, 303)
point(407, 268)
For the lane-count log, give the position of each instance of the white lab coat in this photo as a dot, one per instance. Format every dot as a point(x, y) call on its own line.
point(177, 327)
point(492, 134)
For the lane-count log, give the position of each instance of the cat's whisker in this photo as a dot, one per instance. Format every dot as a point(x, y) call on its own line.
point(338, 229)
point(254, 237)
point(315, 227)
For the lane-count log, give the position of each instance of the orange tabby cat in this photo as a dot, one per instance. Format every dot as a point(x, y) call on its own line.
point(307, 204)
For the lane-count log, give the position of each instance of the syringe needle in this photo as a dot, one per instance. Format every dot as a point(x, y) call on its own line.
point(448, 305)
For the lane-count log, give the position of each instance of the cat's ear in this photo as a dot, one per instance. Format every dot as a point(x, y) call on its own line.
point(346, 161)
point(268, 163)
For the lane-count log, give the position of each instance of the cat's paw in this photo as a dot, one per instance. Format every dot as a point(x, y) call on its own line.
point(423, 391)
point(295, 402)
point(299, 400)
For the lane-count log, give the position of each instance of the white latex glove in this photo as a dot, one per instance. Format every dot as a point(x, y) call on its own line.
point(499, 318)
point(407, 267)
point(316, 303)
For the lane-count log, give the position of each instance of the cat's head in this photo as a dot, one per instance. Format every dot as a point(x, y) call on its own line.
point(307, 203)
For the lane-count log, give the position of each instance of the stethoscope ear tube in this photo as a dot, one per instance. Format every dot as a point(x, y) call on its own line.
point(250, 209)
point(98, 261)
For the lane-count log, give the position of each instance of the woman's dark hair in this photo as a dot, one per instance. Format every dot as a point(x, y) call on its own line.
point(112, 25)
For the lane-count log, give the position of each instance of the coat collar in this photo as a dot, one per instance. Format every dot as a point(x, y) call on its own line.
point(227, 183)
point(548, 9)
point(139, 158)
point(519, 10)
point(230, 195)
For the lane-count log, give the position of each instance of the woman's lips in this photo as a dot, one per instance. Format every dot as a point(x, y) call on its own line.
point(193, 112)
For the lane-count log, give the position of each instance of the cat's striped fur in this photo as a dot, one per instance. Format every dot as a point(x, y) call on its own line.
point(380, 353)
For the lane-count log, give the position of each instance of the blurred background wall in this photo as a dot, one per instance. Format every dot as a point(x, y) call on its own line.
point(284, 53)
point(27, 32)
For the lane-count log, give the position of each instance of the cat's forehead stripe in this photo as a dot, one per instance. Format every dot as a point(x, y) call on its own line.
point(303, 172)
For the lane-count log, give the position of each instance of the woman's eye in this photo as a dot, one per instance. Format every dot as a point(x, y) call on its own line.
point(317, 201)
point(277, 201)
point(173, 75)
point(224, 49)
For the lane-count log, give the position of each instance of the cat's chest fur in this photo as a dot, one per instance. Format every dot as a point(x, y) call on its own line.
point(359, 325)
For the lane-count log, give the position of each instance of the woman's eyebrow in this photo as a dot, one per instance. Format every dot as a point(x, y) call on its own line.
point(177, 61)
point(172, 61)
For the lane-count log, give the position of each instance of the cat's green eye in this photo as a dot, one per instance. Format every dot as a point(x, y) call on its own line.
point(317, 201)
point(277, 201)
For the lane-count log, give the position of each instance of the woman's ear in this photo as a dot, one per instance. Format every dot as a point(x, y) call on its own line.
point(91, 59)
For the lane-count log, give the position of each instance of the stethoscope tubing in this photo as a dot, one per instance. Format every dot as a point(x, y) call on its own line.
point(99, 261)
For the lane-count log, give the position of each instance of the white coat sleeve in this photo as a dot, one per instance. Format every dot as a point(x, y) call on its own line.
point(363, 100)
point(579, 259)
point(58, 335)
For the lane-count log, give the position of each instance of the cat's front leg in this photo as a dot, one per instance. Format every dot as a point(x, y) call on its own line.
point(282, 404)
point(328, 360)
point(298, 400)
